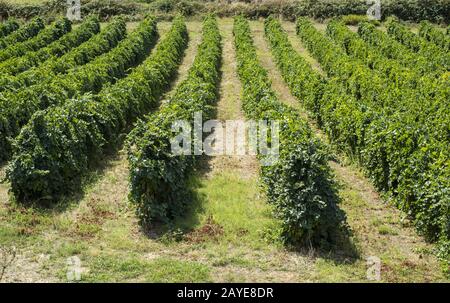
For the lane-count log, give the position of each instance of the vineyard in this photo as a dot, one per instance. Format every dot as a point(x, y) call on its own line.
point(87, 115)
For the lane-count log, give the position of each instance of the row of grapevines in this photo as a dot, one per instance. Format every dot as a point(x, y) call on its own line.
point(370, 85)
point(84, 32)
point(49, 34)
point(434, 35)
point(24, 33)
point(404, 150)
point(19, 107)
point(59, 144)
point(354, 46)
point(393, 49)
point(299, 184)
point(358, 79)
point(157, 176)
point(306, 86)
point(99, 44)
point(8, 27)
point(426, 87)
point(437, 59)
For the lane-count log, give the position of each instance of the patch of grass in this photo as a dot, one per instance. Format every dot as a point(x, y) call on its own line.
point(237, 205)
point(8, 235)
point(115, 269)
point(174, 271)
point(68, 249)
point(329, 271)
point(376, 222)
point(26, 221)
point(118, 237)
point(386, 230)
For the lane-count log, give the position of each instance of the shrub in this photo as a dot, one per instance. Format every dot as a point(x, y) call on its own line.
point(101, 43)
point(189, 8)
point(400, 139)
point(164, 6)
point(434, 35)
point(392, 49)
point(356, 19)
point(437, 58)
point(413, 10)
point(106, 9)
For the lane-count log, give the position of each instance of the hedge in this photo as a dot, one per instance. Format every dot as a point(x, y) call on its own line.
point(24, 33)
point(48, 9)
point(49, 34)
point(84, 32)
point(299, 185)
point(60, 144)
point(20, 106)
point(158, 178)
point(413, 10)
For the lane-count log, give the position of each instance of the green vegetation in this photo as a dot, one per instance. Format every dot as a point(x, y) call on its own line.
point(24, 33)
point(358, 126)
point(158, 178)
point(438, 59)
point(8, 27)
point(47, 35)
point(50, 89)
point(99, 44)
point(357, 19)
point(417, 174)
point(389, 116)
point(161, 270)
point(434, 35)
point(60, 154)
point(84, 32)
point(414, 10)
point(299, 184)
